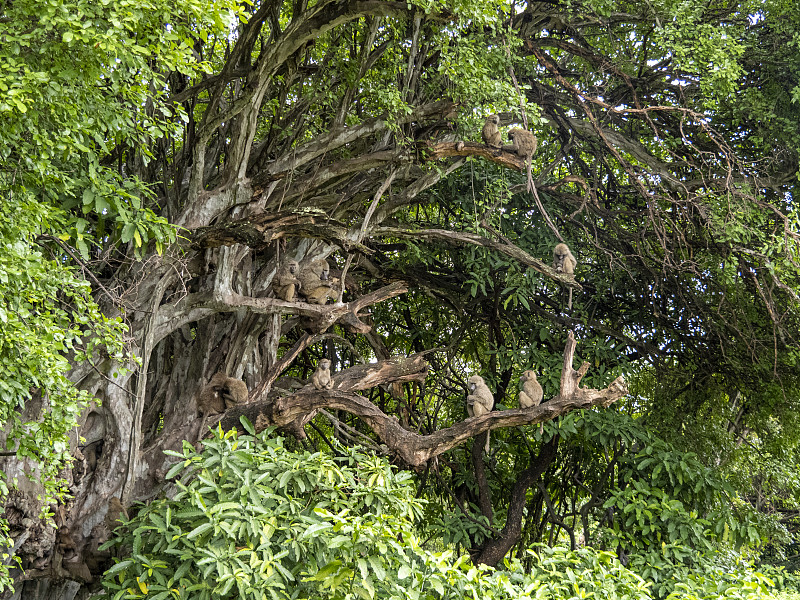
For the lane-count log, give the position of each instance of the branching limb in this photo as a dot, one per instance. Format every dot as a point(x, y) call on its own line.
point(494, 550)
point(442, 150)
point(465, 238)
point(342, 136)
point(292, 412)
point(196, 306)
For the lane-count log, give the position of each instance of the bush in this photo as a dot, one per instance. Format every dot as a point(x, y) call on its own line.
point(253, 520)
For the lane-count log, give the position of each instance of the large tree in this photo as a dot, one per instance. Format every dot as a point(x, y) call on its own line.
point(349, 130)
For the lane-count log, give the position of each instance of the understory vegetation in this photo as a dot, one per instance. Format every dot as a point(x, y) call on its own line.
point(250, 518)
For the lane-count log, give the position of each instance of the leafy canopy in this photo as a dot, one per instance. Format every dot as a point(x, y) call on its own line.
point(78, 90)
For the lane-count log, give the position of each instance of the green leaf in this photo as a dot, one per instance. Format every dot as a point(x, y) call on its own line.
point(200, 530)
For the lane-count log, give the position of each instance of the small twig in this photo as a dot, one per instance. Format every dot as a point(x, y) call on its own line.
point(516, 87)
point(108, 379)
point(544, 213)
point(324, 438)
point(353, 434)
point(17, 544)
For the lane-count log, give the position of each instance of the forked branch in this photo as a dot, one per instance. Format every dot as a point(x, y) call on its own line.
point(293, 411)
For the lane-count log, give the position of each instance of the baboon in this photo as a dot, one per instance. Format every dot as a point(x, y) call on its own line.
point(325, 270)
point(479, 400)
point(315, 284)
point(115, 511)
point(286, 281)
point(221, 393)
point(490, 134)
point(531, 393)
point(211, 401)
point(524, 145)
point(78, 467)
point(64, 543)
point(322, 376)
point(235, 392)
point(563, 261)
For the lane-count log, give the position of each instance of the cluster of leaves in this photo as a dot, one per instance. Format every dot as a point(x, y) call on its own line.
point(77, 79)
point(587, 573)
point(681, 525)
point(46, 314)
point(759, 464)
point(659, 506)
point(252, 519)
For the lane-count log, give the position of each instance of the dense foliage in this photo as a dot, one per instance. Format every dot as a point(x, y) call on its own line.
point(73, 86)
point(252, 519)
point(160, 160)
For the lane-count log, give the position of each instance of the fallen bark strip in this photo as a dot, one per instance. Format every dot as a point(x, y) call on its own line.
point(293, 411)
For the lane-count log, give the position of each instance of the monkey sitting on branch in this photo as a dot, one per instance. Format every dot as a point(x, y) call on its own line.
point(315, 282)
point(220, 394)
point(322, 376)
point(490, 134)
point(286, 281)
point(524, 145)
point(564, 262)
point(531, 393)
point(479, 400)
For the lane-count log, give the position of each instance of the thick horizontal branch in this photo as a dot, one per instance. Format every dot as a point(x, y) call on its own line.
point(441, 150)
point(413, 448)
point(323, 315)
point(293, 411)
point(261, 230)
